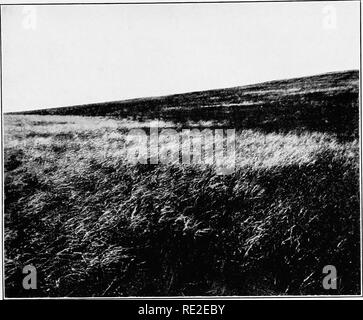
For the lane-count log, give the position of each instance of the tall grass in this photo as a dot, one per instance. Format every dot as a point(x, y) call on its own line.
point(94, 225)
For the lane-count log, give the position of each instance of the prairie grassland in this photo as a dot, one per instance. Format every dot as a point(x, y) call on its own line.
point(95, 225)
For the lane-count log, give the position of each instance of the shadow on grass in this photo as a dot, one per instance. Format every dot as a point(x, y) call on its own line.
point(181, 230)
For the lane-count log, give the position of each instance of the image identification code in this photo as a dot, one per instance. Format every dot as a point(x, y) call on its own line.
point(185, 309)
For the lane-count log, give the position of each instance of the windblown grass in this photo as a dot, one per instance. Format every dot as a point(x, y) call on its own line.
point(94, 225)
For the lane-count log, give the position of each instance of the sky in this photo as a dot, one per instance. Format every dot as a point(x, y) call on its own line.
point(55, 56)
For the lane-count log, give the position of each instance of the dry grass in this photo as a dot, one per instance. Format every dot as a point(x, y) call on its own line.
point(94, 224)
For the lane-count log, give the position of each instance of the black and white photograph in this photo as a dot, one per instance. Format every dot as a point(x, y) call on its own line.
point(181, 149)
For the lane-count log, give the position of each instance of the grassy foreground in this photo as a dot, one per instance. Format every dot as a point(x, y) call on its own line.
point(94, 225)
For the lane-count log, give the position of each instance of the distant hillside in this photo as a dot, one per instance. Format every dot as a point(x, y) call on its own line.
point(327, 102)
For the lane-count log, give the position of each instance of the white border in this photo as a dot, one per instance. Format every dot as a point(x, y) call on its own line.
point(179, 298)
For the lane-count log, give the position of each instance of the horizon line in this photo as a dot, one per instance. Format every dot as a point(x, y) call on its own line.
point(187, 92)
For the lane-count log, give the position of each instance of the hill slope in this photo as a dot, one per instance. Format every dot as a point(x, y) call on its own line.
point(327, 103)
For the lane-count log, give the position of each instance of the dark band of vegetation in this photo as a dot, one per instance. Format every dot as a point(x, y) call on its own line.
point(325, 103)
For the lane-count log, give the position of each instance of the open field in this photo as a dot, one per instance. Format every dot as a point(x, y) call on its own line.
point(95, 225)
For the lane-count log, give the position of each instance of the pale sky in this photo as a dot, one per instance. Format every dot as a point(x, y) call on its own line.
point(65, 55)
